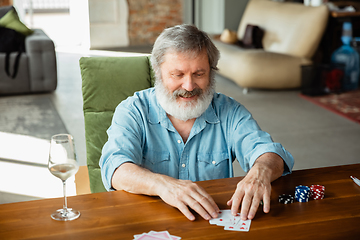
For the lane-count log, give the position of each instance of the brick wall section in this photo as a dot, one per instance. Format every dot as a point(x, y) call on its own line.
point(148, 18)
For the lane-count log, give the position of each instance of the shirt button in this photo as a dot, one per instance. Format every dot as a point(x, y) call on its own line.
point(179, 141)
point(183, 165)
point(213, 162)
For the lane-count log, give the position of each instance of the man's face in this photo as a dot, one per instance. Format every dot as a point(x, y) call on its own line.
point(185, 90)
point(185, 75)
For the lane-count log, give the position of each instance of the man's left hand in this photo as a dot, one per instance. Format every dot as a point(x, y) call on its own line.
point(256, 186)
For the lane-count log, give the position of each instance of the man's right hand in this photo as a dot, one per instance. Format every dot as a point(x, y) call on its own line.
point(182, 194)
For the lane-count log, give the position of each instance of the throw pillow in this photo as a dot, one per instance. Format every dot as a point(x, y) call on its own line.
point(253, 37)
point(11, 20)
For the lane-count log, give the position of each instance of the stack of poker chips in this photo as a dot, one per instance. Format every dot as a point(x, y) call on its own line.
point(317, 192)
point(286, 198)
point(302, 193)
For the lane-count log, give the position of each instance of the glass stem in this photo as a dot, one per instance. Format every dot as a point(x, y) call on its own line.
point(65, 200)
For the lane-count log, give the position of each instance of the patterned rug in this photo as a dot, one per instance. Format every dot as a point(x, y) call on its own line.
point(344, 104)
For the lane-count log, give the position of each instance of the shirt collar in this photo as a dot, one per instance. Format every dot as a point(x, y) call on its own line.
point(210, 115)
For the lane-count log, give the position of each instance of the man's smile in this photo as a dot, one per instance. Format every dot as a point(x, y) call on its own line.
point(187, 95)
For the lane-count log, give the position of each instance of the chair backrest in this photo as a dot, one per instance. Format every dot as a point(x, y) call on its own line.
point(106, 81)
point(289, 28)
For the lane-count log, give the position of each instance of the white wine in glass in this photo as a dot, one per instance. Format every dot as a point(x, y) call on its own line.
point(63, 164)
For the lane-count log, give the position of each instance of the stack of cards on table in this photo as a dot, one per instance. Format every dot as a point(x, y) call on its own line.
point(153, 235)
point(230, 222)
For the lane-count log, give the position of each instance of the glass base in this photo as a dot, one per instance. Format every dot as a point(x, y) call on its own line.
point(65, 215)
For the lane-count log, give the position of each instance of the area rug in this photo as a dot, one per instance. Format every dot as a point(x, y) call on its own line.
point(345, 104)
point(30, 115)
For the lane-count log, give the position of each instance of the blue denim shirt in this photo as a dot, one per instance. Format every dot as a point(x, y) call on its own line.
point(141, 133)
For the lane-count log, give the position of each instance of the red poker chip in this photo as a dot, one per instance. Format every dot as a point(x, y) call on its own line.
point(317, 192)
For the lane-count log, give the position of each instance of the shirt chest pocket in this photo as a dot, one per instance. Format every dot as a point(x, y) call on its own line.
point(213, 165)
point(157, 161)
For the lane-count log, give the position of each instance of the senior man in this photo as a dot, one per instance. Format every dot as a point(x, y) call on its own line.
point(164, 139)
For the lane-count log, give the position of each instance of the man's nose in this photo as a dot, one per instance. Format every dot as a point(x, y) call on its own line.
point(188, 83)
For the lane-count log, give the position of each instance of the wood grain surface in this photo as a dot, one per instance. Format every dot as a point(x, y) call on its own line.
point(121, 215)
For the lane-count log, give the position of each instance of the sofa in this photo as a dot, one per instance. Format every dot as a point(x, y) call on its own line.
point(291, 35)
point(37, 71)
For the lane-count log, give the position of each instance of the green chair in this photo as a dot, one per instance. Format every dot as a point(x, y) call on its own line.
point(106, 81)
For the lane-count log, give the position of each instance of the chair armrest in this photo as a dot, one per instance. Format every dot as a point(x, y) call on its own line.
point(40, 50)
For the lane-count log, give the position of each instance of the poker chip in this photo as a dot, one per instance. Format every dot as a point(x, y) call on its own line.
point(317, 192)
point(286, 198)
point(302, 193)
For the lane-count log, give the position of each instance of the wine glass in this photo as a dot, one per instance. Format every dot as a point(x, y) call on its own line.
point(63, 164)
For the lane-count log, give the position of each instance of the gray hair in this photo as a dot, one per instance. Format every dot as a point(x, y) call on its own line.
point(183, 38)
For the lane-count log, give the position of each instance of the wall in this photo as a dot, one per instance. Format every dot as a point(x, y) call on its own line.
point(213, 16)
point(209, 15)
point(234, 10)
point(5, 2)
point(79, 12)
point(108, 23)
point(121, 23)
point(148, 18)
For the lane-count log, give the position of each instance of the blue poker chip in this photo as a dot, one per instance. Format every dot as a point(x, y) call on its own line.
point(302, 193)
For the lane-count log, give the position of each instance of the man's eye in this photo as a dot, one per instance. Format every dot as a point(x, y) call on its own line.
point(199, 74)
point(177, 75)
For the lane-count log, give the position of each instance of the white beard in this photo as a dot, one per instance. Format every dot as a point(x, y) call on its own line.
point(183, 110)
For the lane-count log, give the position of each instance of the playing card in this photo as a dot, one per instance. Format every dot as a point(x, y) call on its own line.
point(241, 225)
point(138, 235)
point(164, 235)
point(146, 236)
point(230, 222)
point(225, 218)
point(154, 235)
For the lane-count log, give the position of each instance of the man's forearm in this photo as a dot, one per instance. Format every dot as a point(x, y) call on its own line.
point(135, 179)
point(270, 164)
point(177, 193)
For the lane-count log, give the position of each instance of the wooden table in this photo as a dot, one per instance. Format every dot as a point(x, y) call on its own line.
point(120, 215)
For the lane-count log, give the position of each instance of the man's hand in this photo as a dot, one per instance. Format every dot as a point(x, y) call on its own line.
point(256, 186)
point(183, 194)
point(249, 192)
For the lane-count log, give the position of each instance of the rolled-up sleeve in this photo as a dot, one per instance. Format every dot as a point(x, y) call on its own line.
point(123, 145)
point(250, 142)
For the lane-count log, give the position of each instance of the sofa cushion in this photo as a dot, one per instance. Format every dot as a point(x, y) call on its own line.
point(11, 20)
point(290, 28)
point(256, 68)
point(18, 85)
